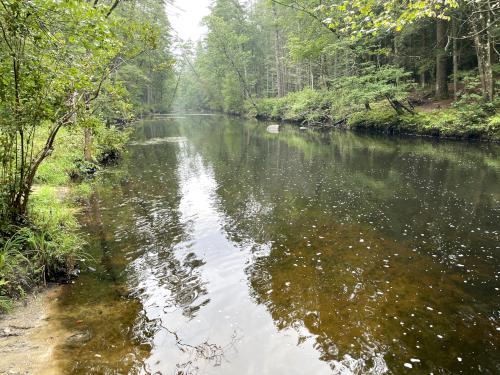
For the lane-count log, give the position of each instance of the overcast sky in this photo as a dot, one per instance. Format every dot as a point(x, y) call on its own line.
point(185, 17)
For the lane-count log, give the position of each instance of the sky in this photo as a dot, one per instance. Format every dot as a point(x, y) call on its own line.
point(185, 17)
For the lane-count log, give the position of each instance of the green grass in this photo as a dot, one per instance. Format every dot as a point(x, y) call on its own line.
point(46, 249)
point(465, 120)
point(47, 246)
point(56, 170)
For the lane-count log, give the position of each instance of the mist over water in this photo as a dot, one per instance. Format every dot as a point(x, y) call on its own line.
point(225, 249)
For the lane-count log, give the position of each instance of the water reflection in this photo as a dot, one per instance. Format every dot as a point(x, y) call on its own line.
point(230, 249)
point(377, 247)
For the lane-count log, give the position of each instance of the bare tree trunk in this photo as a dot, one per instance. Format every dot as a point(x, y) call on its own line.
point(279, 66)
point(455, 58)
point(280, 74)
point(311, 74)
point(267, 81)
point(441, 60)
point(87, 145)
point(482, 21)
point(483, 53)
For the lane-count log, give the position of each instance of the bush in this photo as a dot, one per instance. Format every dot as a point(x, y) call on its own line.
point(493, 127)
point(57, 245)
point(384, 120)
point(451, 122)
point(111, 143)
point(81, 192)
point(302, 106)
point(47, 248)
point(16, 271)
point(56, 169)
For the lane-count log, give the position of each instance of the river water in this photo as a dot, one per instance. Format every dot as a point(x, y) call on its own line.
point(224, 249)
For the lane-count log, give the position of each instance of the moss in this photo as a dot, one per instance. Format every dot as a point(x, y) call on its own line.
point(464, 121)
point(450, 123)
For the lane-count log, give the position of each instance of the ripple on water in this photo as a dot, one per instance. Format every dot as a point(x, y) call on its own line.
point(230, 250)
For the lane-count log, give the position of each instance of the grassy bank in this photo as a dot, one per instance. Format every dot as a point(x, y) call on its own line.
point(444, 123)
point(47, 246)
point(461, 120)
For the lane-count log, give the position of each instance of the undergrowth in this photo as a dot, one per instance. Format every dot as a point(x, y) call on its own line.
point(46, 246)
point(46, 249)
point(468, 118)
point(451, 122)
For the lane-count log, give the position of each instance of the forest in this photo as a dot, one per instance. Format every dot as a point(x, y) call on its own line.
point(426, 67)
point(78, 71)
point(83, 82)
point(73, 75)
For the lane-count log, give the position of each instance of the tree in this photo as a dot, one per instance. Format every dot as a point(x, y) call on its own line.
point(441, 60)
point(56, 59)
point(483, 20)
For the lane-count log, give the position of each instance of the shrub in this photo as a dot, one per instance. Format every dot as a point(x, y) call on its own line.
point(307, 105)
point(493, 127)
point(380, 120)
point(55, 241)
point(47, 248)
point(110, 143)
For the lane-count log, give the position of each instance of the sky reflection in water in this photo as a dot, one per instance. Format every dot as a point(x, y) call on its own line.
point(224, 249)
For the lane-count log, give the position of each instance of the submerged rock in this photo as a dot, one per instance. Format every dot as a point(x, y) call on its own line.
point(78, 339)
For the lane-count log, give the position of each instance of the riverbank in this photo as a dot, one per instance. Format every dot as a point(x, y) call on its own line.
point(29, 336)
point(444, 123)
point(46, 246)
point(442, 119)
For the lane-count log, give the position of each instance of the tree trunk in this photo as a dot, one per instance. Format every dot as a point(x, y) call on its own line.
point(280, 84)
point(441, 60)
point(87, 146)
point(483, 53)
point(455, 59)
point(481, 25)
point(311, 73)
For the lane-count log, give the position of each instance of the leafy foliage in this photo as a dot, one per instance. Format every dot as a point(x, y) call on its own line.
point(66, 95)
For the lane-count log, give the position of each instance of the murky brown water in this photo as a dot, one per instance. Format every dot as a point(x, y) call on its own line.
point(223, 249)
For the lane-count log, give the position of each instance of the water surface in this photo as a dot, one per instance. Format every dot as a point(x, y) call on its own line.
point(224, 249)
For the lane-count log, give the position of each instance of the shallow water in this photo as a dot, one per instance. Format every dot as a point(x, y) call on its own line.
point(224, 249)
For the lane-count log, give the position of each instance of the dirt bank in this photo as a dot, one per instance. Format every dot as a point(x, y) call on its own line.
point(28, 336)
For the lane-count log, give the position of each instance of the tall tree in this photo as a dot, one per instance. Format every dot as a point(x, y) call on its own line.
point(441, 59)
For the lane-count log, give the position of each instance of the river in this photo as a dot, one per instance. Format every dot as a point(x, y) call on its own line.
point(221, 248)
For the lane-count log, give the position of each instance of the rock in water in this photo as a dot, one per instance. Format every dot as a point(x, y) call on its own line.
point(78, 339)
point(273, 129)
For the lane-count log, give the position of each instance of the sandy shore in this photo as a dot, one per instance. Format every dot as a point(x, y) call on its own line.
point(28, 336)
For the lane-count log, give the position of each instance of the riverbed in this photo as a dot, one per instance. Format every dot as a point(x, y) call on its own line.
point(221, 248)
